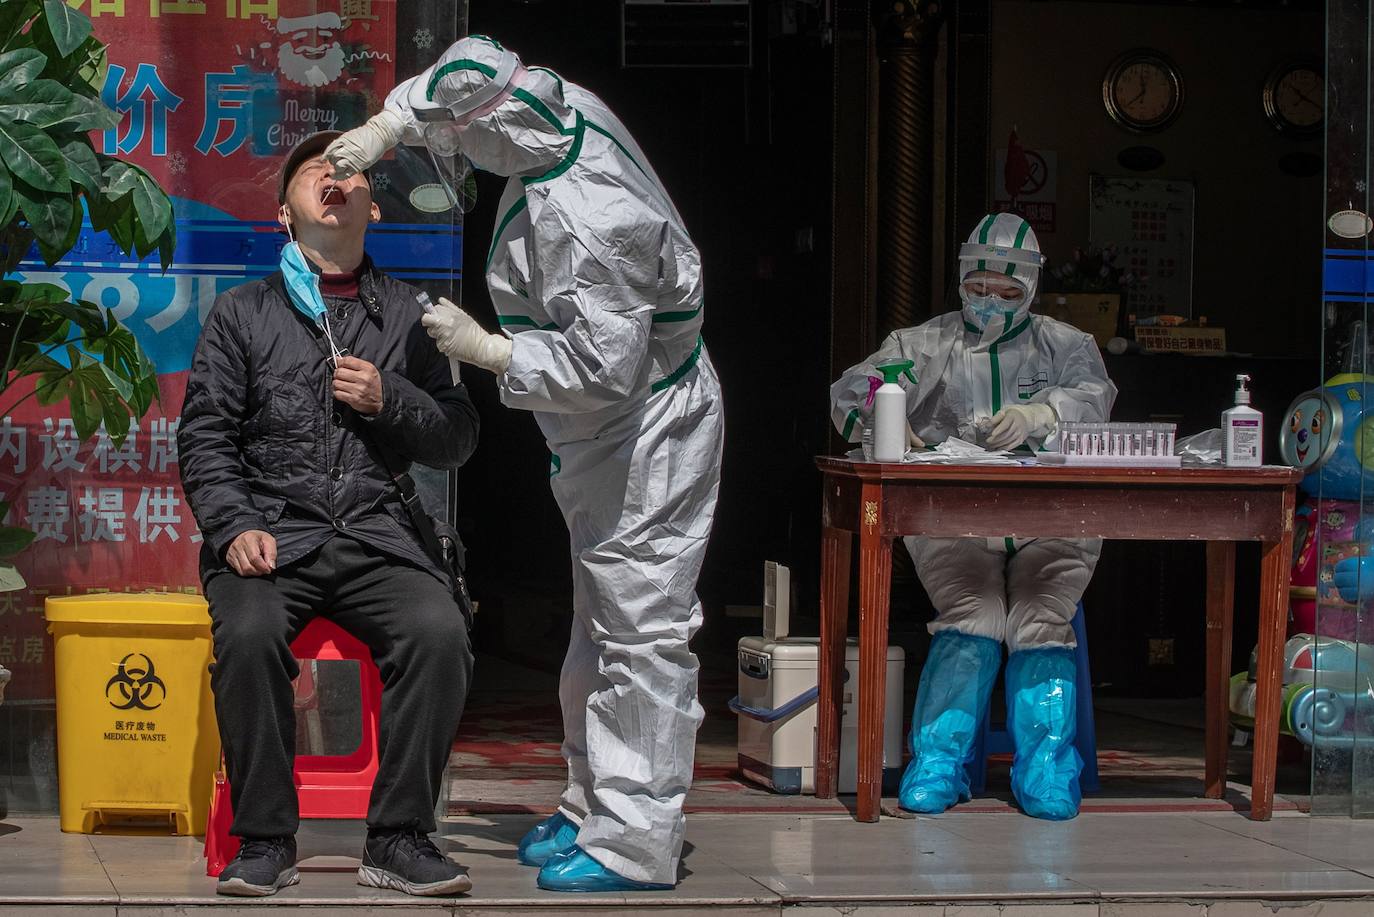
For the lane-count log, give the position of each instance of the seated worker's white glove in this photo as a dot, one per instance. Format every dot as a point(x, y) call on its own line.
point(1013, 424)
point(361, 147)
point(460, 337)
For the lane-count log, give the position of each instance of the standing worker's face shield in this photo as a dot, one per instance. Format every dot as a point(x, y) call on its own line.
point(442, 115)
point(454, 177)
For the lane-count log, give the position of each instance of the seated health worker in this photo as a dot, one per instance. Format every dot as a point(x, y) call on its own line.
point(994, 374)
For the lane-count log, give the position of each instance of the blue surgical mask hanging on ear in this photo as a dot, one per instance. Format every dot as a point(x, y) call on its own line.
point(302, 283)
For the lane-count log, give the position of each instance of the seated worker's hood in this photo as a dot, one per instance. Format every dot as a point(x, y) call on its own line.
point(1005, 244)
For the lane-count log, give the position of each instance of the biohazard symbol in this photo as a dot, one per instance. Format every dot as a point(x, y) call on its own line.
point(134, 685)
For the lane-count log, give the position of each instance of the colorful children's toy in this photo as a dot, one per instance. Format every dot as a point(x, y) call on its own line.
point(1326, 672)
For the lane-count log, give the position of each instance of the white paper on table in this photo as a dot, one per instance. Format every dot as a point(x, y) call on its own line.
point(955, 451)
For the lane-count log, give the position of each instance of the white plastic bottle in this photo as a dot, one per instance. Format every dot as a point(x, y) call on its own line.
point(1243, 427)
point(889, 415)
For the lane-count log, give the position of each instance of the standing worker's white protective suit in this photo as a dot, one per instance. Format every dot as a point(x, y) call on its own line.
point(598, 289)
point(995, 374)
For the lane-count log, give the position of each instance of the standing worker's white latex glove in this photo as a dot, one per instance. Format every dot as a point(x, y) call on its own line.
point(460, 337)
point(361, 147)
point(1012, 425)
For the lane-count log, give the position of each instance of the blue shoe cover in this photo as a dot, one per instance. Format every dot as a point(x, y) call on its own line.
point(1042, 717)
point(956, 686)
point(574, 870)
point(552, 835)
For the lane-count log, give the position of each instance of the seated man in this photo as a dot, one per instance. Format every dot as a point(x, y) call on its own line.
point(308, 390)
point(993, 373)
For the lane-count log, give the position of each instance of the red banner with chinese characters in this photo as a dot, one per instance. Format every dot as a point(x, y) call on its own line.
point(214, 92)
point(106, 518)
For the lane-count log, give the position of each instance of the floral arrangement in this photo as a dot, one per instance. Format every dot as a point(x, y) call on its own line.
point(1092, 270)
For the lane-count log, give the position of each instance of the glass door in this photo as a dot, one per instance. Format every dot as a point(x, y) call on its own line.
point(1338, 713)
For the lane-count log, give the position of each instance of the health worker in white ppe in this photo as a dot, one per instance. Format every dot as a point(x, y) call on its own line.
point(994, 374)
point(598, 290)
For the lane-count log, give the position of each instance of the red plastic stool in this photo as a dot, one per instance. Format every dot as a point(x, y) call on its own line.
point(328, 786)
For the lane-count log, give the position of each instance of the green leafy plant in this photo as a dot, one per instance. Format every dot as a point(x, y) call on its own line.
point(52, 178)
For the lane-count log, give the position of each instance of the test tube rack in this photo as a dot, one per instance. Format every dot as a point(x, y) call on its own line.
point(1138, 444)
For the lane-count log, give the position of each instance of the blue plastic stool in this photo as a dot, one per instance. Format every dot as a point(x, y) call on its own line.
point(997, 741)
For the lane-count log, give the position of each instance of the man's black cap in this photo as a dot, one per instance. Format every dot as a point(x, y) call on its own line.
point(309, 148)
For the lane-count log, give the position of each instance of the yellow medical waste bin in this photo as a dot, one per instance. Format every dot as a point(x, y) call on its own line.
point(136, 734)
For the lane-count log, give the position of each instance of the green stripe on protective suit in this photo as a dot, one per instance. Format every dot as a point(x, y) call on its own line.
point(515, 210)
point(589, 241)
point(541, 109)
point(994, 355)
point(569, 159)
point(686, 315)
point(452, 67)
point(850, 422)
point(983, 231)
point(676, 376)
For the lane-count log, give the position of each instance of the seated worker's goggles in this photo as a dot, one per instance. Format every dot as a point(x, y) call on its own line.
point(990, 283)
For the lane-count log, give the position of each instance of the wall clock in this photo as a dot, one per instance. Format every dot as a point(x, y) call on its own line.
point(1295, 99)
point(1143, 90)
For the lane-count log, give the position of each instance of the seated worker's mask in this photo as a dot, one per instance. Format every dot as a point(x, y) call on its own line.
point(988, 296)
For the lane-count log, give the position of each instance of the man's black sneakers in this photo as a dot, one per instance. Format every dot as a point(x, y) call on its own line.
point(261, 867)
point(408, 861)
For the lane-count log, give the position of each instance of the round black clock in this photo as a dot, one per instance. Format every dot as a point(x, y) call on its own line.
point(1143, 90)
point(1295, 98)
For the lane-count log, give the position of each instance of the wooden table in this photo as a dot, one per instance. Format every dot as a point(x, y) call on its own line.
point(1220, 506)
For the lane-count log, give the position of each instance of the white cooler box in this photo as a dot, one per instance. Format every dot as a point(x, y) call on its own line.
point(776, 709)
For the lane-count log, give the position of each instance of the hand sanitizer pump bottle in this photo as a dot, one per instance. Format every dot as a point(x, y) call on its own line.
point(1243, 427)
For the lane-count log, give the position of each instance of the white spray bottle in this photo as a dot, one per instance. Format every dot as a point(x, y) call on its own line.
point(1243, 427)
point(889, 414)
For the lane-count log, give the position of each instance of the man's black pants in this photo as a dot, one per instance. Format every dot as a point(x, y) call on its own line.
point(419, 642)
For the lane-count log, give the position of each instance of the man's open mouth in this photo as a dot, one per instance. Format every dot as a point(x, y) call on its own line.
point(333, 196)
